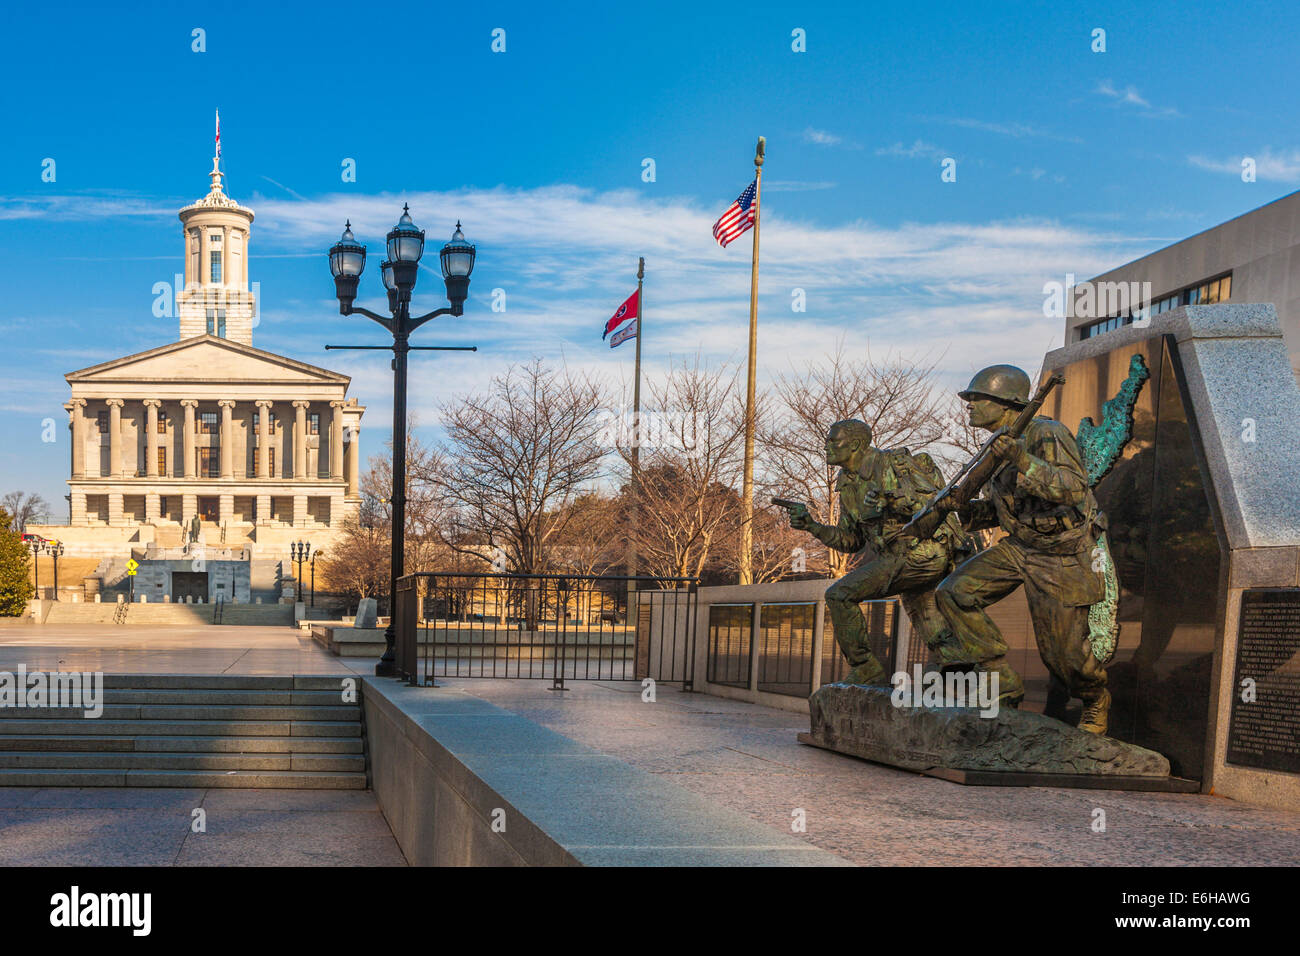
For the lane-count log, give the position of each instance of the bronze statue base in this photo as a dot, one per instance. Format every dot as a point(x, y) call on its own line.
point(1011, 748)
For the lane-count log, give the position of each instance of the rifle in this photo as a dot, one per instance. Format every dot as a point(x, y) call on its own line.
point(966, 484)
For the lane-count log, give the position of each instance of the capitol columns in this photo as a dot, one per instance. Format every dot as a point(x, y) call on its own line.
point(190, 467)
point(77, 421)
point(151, 406)
point(263, 442)
point(114, 437)
point(227, 437)
point(300, 439)
point(336, 439)
point(354, 460)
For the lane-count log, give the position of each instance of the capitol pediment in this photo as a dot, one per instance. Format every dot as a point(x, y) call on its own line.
point(206, 358)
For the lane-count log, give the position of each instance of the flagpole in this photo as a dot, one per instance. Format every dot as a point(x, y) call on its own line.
point(747, 486)
point(632, 557)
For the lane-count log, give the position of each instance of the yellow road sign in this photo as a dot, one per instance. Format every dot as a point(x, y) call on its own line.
point(132, 566)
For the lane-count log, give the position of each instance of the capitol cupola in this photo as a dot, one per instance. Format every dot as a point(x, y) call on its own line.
point(216, 299)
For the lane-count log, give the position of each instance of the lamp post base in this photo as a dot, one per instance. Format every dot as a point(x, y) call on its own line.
point(387, 666)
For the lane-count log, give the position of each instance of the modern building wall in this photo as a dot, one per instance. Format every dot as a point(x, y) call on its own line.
point(1259, 250)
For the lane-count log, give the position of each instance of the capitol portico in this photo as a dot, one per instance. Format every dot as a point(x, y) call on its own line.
point(262, 448)
point(241, 437)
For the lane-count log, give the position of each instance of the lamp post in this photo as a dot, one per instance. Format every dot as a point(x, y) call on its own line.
point(405, 246)
point(55, 551)
point(35, 545)
point(313, 577)
point(299, 552)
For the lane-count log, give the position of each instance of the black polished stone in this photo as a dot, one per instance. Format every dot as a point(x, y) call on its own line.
point(1168, 554)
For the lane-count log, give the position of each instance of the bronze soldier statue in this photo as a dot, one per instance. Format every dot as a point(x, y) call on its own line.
point(879, 491)
point(1042, 498)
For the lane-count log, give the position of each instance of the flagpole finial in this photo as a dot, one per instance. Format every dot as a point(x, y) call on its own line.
point(215, 175)
point(640, 268)
point(760, 151)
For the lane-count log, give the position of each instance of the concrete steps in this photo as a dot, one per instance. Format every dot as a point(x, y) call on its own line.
point(171, 615)
point(192, 731)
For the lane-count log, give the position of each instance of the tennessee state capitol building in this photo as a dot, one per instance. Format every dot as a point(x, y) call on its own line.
point(263, 449)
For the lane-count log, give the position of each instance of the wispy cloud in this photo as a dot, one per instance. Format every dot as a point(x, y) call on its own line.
point(295, 195)
point(1016, 130)
point(1282, 166)
point(1129, 96)
point(83, 207)
point(918, 150)
point(564, 256)
point(1036, 173)
point(821, 137)
point(794, 186)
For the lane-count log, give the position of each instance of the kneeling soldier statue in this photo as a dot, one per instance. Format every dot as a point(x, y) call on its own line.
point(879, 491)
point(1041, 496)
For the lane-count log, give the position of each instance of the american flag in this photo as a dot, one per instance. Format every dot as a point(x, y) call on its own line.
point(218, 134)
point(738, 217)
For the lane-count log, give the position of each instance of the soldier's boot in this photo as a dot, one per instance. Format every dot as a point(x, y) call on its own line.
point(1011, 689)
point(870, 671)
point(1095, 718)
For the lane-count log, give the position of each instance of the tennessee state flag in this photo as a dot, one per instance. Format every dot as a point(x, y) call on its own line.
point(628, 310)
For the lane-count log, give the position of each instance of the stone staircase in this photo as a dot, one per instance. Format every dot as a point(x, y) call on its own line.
point(169, 615)
point(179, 730)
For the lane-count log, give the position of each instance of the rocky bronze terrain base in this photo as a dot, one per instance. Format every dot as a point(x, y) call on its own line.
point(863, 722)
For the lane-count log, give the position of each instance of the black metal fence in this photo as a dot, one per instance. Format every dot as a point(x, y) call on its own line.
point(779, 659)
point(545, 626)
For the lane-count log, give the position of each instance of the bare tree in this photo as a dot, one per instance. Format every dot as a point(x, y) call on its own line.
point(594, 536)
point(691, 441)
point(896, 396)
point(356, 564)
point(22, 508)
point(515, 458)
point(779, 550)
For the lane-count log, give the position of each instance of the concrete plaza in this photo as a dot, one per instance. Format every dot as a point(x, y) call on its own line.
point(737, 756)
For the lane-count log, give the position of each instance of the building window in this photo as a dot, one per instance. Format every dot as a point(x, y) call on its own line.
point(270, 463)
point(1203, 293)
point(217, 322)
point(162, 507)
point(314, 427)
point(1165, 304)
point(162, 462)
point(162, 422)
point(209, 463)
point(207, 423)
point(1208, 293)
point(102, 420)
point(214, 255)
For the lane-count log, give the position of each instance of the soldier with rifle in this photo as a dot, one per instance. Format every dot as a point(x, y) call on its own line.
point(1036, 489)
point(879, 491)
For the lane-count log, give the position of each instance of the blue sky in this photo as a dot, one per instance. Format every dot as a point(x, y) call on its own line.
point(1067, 161)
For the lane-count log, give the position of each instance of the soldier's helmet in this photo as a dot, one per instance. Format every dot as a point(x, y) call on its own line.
point(853, 429)
point(1006, 383)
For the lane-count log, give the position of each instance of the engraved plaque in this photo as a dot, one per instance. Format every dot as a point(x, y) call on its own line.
point(1265, 732)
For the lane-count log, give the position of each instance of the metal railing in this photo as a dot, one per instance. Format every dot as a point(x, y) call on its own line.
point(545, 626)
point(774, 639)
